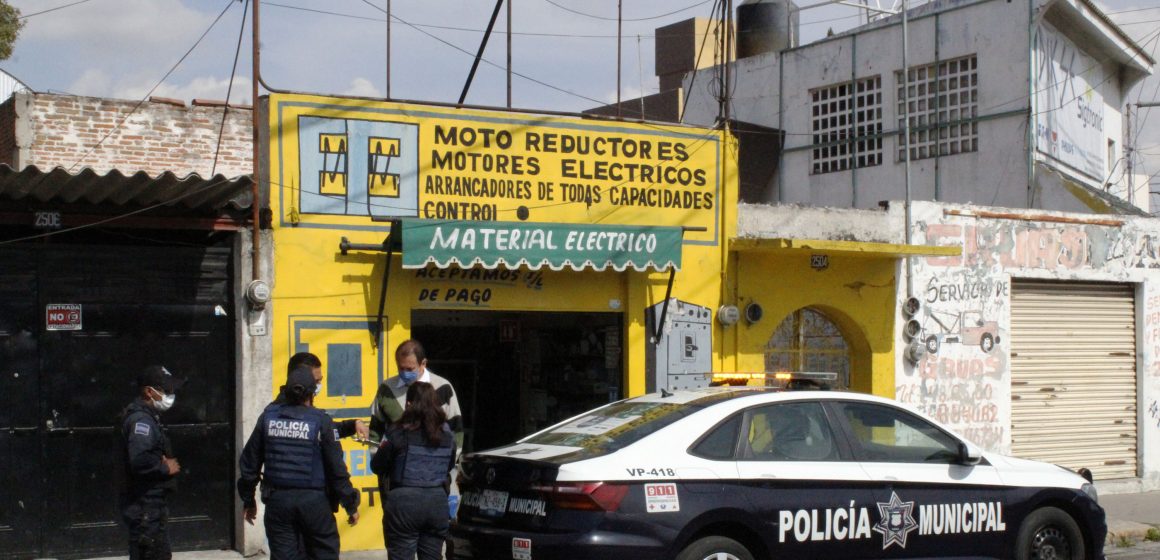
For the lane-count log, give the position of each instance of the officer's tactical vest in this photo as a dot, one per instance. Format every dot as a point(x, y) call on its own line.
point(418, 465)
point(293, 450)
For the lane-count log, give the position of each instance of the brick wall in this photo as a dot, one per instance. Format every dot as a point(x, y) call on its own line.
point(161, 135)
point(7, 139)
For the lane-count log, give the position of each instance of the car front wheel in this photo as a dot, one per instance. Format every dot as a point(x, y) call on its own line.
point(1049, 534)
point(715, 548)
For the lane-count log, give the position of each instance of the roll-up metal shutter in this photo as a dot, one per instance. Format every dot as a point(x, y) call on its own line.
point(1073, 375)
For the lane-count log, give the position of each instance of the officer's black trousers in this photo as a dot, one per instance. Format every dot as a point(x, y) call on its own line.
point(416, 521)
point(300, 525)
point(147, 518)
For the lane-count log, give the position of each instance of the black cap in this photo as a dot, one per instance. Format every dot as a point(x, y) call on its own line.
point(159, 377)
point(302, 375)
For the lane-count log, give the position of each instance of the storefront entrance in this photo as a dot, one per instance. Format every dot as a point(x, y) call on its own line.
point(518, 372)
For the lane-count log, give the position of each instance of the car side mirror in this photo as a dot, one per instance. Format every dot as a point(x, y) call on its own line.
point(969, 454)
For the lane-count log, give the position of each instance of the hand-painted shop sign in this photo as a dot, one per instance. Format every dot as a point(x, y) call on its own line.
point(62, 317)
point(342, 163)
point(534, 245)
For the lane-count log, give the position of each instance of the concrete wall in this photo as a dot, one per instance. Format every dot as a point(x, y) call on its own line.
point(965, 387)
point(255, 380)
point(996, 251)
point(105, 134)
point(774, 90)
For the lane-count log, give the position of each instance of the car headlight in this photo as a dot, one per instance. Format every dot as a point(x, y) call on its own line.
point(1090, 489)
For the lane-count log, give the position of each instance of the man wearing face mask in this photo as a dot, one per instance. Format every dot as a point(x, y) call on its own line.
point(346, 428)
point(150, 466)
point(391, 400)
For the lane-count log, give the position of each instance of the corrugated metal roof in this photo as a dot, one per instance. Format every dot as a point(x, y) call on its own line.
point(138, 189)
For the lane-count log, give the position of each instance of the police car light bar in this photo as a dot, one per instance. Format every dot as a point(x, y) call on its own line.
point(790, 380)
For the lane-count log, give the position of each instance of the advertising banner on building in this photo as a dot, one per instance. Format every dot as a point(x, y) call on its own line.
point(343, 161)
point(535, 245)
point(1069, 109)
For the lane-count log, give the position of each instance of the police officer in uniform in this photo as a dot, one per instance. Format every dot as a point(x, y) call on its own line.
point(305, 478)
point(149, 465)
point(416, 454)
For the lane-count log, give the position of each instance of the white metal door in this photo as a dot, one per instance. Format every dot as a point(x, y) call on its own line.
point(1073, 375)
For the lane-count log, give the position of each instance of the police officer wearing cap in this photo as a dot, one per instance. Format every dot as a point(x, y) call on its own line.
point(149, 465)
point(298, 446)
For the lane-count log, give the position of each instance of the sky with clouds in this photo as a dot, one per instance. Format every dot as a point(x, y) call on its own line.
point(563, 51)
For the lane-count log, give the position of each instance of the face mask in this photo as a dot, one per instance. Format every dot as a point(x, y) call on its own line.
point(317, 389)
point(409, 376)
point(165, 403)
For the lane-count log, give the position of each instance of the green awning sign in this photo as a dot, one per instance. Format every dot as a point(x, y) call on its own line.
point(466, 244)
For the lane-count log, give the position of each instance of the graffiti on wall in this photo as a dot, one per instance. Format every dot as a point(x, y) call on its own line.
point(960, 392)
point(961, 374)
point(1043, 246)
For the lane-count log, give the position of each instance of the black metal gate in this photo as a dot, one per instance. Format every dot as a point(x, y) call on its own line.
point(62, 388)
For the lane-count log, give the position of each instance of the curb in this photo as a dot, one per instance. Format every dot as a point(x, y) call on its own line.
point(1130, 530)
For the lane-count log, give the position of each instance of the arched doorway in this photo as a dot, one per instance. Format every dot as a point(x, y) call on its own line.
point(808, 340)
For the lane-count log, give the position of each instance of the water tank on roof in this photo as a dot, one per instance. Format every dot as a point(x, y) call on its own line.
point(766, 26)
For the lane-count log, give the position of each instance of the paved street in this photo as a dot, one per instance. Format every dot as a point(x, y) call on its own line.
point(1128, 514)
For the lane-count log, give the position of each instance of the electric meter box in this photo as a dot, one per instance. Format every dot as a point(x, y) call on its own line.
point(680, 358)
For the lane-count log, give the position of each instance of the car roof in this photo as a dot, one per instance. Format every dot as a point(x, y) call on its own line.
point(728, 393)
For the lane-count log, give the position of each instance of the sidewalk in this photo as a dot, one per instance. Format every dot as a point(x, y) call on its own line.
point(1129, 518)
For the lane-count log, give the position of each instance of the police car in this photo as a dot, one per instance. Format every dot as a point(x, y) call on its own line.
point(744, 473)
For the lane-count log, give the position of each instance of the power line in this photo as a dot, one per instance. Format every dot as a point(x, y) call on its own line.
point(445, 27)
point(602, 18)
point(1134, 10)
point(117, 127)
point(54, 9)
point(229, 90)
point(520, 33)
point(472, 55)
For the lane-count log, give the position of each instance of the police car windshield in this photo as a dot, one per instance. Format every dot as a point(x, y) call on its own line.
point(620, 424)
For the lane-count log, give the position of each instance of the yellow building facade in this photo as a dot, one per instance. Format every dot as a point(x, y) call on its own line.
point(531, 254)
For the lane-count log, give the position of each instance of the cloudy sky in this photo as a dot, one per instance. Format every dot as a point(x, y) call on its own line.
point(564, 51)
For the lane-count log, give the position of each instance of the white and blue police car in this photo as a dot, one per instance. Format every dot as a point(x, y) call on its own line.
point(740, 473)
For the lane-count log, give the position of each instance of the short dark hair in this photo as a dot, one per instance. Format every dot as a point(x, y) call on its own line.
point(303, 359)
point(411, 347)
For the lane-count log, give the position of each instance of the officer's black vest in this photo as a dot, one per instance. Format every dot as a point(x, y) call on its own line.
point(419, 465)
point(293, 450)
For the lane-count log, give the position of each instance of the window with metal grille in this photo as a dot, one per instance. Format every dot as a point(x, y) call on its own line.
point(846, 125)
point(943, 103)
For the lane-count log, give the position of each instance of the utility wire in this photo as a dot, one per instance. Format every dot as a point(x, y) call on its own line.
point(445, 27)
point(1135, 10)
point(490, 63)
point(602, 18)
point(520, 33)
point(696, 66)
point(1147, 110)
point(145, 98)
point(54, 9)
point(229, 90)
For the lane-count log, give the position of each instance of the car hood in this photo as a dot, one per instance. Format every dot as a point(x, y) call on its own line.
point(1023, 472)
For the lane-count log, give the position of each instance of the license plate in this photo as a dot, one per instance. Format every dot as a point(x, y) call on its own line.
point(493, 503)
